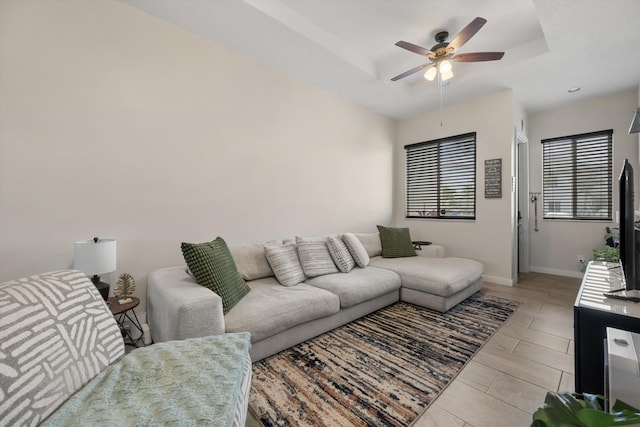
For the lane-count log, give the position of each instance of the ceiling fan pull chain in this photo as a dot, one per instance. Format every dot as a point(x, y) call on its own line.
point(440, 83)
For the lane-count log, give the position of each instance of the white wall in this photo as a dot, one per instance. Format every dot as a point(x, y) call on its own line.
point(557, 244)
point(489, 238)
point(118, 125)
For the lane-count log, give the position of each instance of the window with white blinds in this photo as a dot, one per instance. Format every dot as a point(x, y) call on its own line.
point(577, 176)
point(441, 178)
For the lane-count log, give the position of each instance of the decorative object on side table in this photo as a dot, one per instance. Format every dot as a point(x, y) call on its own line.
point(95, 257)
point(125, 287)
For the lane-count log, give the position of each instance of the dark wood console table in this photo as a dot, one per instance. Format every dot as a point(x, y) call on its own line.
point(592, 313)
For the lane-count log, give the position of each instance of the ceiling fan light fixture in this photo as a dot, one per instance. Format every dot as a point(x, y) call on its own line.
point(446, 76)
point(430, 74)
point(444, 66)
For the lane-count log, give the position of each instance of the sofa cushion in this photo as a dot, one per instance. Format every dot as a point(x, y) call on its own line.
point(251, 261)
point(315, 257)
point(396, 242)
point(438, 276)
point(357, 250)
point(271, 308)
point(340, 254)
point(285, 263)
point(213, 267)
point(371, 243)
point(359, 285)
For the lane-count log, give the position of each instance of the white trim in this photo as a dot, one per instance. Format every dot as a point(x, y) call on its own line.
point(498, 280)
point(556, 271)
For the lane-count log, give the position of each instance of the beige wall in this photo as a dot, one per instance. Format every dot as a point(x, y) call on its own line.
point(116, 124)
point(488, 239)
point(555, 248)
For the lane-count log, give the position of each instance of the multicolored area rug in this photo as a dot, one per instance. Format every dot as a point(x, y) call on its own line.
point(381, 370)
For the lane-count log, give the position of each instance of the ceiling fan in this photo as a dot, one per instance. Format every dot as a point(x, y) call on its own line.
point(442, 52)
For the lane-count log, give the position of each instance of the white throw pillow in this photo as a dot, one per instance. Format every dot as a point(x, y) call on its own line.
point(371, 242)
point(285, 263)
point(315, 257)
point(340, 254)
point(358, 252)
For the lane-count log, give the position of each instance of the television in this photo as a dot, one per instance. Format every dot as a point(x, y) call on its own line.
point(627, 226)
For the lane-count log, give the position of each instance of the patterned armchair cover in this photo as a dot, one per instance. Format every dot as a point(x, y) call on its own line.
point(56, 335)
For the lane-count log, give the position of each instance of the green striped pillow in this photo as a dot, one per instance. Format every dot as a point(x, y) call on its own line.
point(213, 267)
point(396, 242)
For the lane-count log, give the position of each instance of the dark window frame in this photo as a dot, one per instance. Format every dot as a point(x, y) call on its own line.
point(573, 170)
point(428, 179)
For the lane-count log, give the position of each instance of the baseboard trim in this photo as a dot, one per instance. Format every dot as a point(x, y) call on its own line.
point(556, 271)
point(497, 280)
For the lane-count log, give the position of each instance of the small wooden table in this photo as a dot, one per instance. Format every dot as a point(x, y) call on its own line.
point(124, 312)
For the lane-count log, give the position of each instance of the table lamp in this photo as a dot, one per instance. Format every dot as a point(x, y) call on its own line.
point(95, 257)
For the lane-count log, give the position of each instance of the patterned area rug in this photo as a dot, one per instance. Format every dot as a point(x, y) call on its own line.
point(381, 370)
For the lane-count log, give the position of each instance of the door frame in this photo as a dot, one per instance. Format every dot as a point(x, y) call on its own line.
point(521, 249)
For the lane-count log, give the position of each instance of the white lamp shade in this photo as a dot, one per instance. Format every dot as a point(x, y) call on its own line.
point(447, 75)
point(445, 66)
point(430, 74)
point(94, 258)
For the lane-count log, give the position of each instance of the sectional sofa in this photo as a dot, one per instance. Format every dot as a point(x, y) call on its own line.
point(279, 317)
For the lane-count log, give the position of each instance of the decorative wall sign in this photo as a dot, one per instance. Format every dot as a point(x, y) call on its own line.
point(493, 179)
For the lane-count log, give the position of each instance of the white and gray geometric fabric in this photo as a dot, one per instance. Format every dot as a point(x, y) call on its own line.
point(340, 254)
point(56, 334)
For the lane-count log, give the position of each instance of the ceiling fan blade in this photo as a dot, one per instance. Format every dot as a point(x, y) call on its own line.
point(415, 48)
point(467, 32)
point(478, 56)
point(409, 72)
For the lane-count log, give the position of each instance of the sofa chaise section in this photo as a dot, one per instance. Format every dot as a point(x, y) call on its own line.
point(435, 283)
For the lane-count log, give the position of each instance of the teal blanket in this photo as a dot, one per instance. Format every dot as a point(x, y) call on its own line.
point(186, 383)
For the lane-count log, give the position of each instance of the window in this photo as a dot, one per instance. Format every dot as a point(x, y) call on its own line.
point(577, 176)
point(441, 178)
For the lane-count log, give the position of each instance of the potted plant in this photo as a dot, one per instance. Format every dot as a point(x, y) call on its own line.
point(582, 410)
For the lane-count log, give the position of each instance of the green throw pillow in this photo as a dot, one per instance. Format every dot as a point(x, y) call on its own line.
point(213, 267)
point(396, 242)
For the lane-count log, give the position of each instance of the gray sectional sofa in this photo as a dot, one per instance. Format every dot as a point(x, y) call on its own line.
point(279, 317)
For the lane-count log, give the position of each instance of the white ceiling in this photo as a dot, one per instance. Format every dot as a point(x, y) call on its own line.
point(347, 46)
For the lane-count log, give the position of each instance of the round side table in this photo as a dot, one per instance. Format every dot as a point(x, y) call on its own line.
point(124, 312)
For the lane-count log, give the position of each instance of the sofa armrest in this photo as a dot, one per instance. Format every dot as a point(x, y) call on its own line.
point(179, 308)
point(434, 251)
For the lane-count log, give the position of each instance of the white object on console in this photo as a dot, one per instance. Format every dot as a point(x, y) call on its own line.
point(623, 348)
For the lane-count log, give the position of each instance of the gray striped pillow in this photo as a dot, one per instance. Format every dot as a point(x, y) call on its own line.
point(315, 257)
point(340, 254)
point(285, 263)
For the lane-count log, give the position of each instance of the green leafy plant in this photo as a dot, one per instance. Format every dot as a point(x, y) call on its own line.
point(582, 410)
point(607, 253)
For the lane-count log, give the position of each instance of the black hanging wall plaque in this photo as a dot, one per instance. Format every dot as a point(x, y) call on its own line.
point(493, 179)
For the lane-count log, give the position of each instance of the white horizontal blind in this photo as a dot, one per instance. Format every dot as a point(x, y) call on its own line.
point(577, 176)
point(441, 178)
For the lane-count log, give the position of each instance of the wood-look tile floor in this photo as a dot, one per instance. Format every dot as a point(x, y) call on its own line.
point(507, 380)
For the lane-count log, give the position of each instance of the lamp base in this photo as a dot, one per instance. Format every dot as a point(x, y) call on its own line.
point(102, 286)
point(104, 289)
